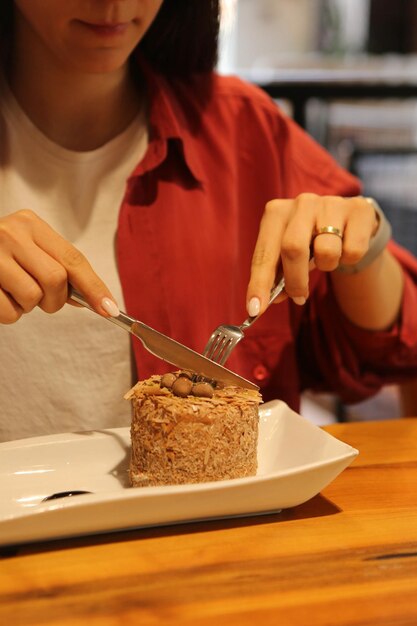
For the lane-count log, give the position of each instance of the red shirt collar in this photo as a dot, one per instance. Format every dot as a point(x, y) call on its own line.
point(169, 123)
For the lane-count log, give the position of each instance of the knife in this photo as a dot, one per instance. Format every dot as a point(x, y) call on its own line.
point(170, 350)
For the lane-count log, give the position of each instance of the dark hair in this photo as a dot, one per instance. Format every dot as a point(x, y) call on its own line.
point(182, 40)
point(6, 17)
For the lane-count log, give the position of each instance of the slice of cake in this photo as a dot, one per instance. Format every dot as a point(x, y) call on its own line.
point(185, 432)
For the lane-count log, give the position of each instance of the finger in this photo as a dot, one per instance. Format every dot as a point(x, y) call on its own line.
point(266, 254)
point(10, 311)
point(38, 280)
point(19, 285)
point(77, 268)
point(358, 232)
point(328, 246)
point(83, 278)
point(296, 247)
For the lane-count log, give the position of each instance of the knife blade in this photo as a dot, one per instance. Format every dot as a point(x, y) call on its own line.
point(170, 350)
point(179, 355)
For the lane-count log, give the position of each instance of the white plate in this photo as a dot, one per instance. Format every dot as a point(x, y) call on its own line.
point(296, 460)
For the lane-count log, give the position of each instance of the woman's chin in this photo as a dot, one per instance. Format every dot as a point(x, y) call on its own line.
point(103, 63)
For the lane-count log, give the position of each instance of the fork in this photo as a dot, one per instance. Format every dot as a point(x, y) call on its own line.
point(225, 337)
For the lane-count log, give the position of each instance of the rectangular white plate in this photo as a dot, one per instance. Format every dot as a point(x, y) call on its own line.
point(296, 460)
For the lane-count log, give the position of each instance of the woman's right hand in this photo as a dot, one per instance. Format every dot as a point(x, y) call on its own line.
point(36, 266)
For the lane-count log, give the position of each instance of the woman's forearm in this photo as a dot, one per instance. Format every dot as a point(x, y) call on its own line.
point(372, 298)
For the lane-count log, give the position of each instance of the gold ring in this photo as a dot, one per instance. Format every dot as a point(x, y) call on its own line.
point(329, 230)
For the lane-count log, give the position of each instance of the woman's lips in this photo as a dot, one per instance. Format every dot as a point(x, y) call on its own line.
point(107, 30)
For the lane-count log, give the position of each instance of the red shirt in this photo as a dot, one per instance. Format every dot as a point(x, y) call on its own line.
point(219, 150)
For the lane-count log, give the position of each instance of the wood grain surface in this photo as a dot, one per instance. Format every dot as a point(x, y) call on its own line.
point(346, 557)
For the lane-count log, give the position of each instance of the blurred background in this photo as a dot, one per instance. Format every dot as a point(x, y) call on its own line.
point(346, 70)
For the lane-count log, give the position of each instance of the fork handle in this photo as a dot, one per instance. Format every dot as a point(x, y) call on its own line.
point(275, 292)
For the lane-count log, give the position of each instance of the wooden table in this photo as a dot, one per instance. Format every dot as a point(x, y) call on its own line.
point(348, 556)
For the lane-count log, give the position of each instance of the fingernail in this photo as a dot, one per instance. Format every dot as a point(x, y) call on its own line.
point(254, 307)
point(300, 300)
point(110, 307)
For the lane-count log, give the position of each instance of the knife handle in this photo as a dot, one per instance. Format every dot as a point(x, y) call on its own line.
point(122, 320)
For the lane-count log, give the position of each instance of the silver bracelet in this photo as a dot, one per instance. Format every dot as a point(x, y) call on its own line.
point(376, 245)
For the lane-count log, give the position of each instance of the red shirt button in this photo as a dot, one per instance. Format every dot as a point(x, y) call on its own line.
point(260, 372)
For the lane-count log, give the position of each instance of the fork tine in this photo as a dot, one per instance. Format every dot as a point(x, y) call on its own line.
point(219, 347)
point(214, 345)
point(227, 351)
point(223, 349)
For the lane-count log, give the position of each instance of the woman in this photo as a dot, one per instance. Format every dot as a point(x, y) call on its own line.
point(132, 171)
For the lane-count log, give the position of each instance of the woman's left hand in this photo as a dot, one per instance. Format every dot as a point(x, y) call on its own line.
point(291, 232)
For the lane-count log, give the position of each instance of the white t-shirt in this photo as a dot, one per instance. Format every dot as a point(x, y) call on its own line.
point(67, 371)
